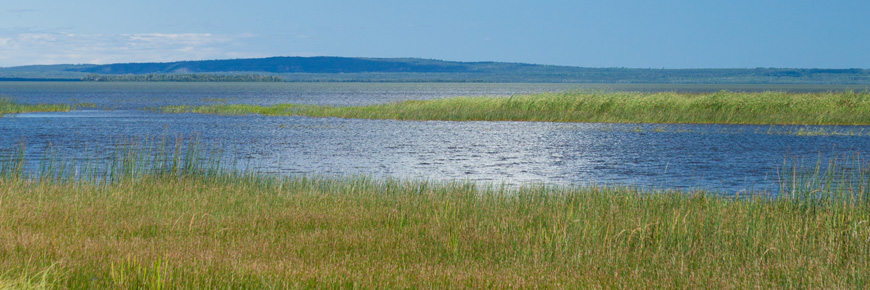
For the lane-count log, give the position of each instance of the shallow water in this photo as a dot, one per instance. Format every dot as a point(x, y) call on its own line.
point(726, 158)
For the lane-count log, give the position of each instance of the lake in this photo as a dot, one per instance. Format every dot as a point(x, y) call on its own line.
point(723, 158)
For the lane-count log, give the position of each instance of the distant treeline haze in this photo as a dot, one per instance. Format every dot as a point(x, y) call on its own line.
point(353, 69)
point(182, 78)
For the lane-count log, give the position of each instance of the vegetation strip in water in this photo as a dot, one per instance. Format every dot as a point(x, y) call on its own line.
point(7, 106)
point(171, 220)
point(843, 108)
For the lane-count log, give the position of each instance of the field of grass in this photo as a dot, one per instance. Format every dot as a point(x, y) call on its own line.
point(843, 108)
point(171, 220)
point(7, 106)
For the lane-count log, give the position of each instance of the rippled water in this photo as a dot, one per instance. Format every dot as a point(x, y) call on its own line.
point(728, 158)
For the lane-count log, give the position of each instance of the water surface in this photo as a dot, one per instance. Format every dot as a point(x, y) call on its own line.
point(725, 158)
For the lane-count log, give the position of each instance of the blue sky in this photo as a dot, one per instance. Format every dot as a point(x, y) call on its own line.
point(618, 33)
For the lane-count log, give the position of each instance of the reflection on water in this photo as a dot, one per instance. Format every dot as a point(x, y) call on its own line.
point(728, 158)
point(718, 157)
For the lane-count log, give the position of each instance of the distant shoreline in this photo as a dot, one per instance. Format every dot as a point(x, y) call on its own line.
point(349, 69)
point(37, 80)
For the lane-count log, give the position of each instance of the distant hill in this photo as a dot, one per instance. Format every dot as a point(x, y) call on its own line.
point(287, 65)
point(349, 69)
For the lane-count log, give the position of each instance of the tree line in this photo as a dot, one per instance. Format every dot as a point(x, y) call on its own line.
point(181, 78)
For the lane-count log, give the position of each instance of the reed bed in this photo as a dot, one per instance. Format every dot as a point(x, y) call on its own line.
point(8, 106)
point(844, 108)
point(172, 219)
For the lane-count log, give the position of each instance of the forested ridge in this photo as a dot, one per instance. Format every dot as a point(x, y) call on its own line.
point(350, 69)
point(182, 78)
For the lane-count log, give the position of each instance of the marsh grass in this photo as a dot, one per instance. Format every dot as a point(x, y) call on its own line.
point(843, 178)
point(179, 222)
point(845, 108)
point(8, 106)
point(224, 109)
point(815, 131)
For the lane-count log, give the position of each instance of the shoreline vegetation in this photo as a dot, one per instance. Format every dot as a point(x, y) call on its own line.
point(164, 77)
point(354, 69)
point(163, 217)
point(724, 107)
point(7, 106)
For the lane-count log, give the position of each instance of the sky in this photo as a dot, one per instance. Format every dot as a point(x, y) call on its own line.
point(616, 33)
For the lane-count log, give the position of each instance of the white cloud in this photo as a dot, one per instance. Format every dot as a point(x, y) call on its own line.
point(69, 48)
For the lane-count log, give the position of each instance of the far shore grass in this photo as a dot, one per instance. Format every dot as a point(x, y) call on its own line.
point(832, 108)
point(173, 222)
point(7, 106)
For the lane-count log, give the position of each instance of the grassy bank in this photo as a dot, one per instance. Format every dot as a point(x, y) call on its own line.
point(7, 106)
point(845, 108)
point(164, 223)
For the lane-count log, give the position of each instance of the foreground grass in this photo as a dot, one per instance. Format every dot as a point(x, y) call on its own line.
point(845, 108)
point(196, 229)
point(7, 106)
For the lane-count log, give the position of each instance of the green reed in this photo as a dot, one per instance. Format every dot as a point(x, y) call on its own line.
point(224, 109)
point(183, 221)
point(130, 159)
point(8, 106)
point(620, 107)
point(840, 179)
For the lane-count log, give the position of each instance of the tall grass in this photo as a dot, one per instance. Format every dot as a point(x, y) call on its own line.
point(224, 109)
point(847, 108)
point(132, 158)
point(205, 228)
point(7, 106)
point(841, 178)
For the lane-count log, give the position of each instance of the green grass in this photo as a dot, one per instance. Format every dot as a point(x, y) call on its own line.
point(844, 108)
point(223, 109)
point(7, 106)
point(168, 219)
